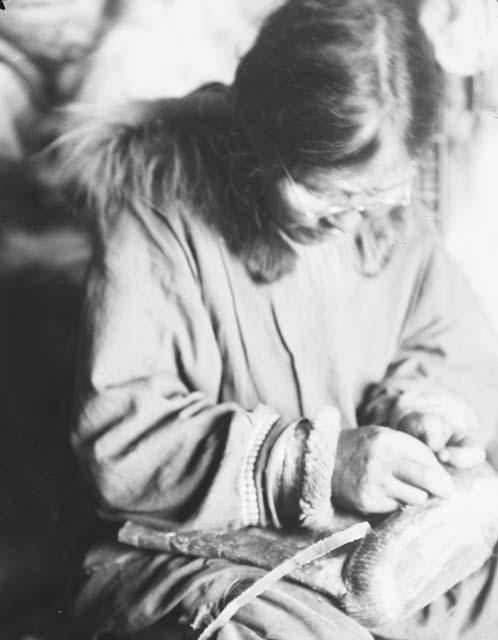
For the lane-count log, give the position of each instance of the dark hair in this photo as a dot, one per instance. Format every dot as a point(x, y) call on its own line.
point(299, 99)
point(319, 67)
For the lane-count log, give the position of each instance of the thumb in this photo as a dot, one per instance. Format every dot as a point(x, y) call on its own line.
point(463, 456)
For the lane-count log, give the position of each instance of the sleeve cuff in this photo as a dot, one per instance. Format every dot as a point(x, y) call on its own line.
point(252, 508)
point(286, 478)
point(320, 447)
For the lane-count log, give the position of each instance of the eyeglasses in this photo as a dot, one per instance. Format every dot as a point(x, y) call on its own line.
point(341, 205)
point(399, 194)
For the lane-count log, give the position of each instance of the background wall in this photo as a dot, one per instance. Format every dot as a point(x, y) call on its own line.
point(471, 227)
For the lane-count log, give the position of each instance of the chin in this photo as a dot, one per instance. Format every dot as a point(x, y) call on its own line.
point(376, 240)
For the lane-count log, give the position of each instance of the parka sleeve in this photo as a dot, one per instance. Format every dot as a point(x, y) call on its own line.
point(448, 355)
point(151, 437)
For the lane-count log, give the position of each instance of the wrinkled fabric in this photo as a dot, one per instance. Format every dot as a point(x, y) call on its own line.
point(135, 590)
point(183, 353)
point(193, 591)
point(183, 348)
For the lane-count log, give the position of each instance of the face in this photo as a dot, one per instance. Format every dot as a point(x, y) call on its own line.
point(338, 201)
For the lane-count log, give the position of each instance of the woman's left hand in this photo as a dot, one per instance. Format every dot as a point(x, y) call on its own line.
point(450, 444)
point(444, 423)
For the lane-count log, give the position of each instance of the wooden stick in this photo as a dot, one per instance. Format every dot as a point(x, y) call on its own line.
point(311, 553)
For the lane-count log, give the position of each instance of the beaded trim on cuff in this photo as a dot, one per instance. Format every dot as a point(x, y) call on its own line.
point(251, 516)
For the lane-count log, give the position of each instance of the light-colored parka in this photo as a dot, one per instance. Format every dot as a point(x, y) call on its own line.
point(190, 367)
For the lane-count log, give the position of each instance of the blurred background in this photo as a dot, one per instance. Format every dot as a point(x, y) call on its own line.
point(100, 52)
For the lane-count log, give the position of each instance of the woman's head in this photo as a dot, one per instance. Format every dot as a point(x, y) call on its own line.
point(325, 76)
point(340, 97)
point(327, 114)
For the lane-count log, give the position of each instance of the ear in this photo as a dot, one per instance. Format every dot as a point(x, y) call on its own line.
point(464, 33)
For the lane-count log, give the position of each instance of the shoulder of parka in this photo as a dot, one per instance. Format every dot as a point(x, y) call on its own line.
point(143, 155)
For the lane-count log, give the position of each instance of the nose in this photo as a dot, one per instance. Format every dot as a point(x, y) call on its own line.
point(348, 221)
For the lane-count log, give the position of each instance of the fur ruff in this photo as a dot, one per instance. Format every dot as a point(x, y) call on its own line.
point(182, 154)
point(316, 511)
point(188, 154)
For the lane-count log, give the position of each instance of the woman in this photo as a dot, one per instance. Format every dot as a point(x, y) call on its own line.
point(263, 286)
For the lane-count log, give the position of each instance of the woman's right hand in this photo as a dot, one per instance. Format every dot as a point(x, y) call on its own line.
point(378, 469)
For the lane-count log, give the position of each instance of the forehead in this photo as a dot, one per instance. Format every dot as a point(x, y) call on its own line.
point(390, 165)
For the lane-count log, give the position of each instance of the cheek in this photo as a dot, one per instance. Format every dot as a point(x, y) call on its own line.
point(347, 221)
point(299, 205)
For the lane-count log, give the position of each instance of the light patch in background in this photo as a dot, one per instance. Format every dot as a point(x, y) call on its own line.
point(169, 47)
point(471, 230)
point(464, 33)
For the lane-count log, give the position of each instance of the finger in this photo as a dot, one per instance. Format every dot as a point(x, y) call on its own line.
point(463, 440)
point(405, 493)
point(463, 457)
point(430, 428)
point(431, 478)
point(436, 431)
point(383, 505)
